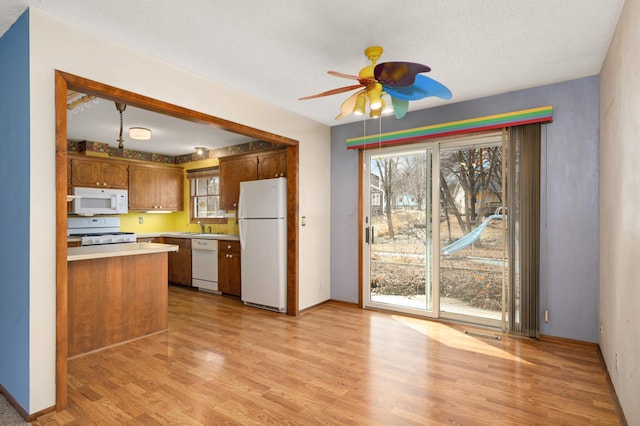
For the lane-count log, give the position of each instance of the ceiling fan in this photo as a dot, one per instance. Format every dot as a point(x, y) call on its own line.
point(402, 81)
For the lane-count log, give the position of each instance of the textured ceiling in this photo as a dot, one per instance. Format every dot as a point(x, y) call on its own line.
point(280, 50)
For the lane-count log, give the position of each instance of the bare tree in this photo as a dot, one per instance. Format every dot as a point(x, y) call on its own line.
point(450, 205)
point(386, 167)
point(413, 180)
point(478, 171)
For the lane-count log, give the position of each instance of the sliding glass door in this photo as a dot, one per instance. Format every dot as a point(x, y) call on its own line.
point(443, 256)
point(399, 240)
point(473, 244)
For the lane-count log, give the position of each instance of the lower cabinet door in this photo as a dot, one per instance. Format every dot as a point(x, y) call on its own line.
point(180, 261)
point(229, 267)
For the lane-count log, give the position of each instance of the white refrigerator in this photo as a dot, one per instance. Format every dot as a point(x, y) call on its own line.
point(262, 219)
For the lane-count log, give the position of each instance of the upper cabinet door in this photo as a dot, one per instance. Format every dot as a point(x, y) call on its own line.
point(170, 189)
point(156, 188)
point(272, 164)
point(232, 172)
point(95, 173)
point(141, 188)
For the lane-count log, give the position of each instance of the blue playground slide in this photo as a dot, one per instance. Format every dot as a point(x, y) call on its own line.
point(470, 237)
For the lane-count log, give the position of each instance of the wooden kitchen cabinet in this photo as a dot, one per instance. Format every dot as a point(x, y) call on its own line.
point(229, 267)
point(245, 167)
point(153, 187)
point(114, 299)
point(234, 170)
point(98, 173)
point(180, 261)
point(272, 164)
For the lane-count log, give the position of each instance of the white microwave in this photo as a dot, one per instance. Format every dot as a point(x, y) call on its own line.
point(92, 201)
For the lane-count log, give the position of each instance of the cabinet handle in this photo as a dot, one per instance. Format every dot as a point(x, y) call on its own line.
point(104, 183)
point(228, 247)
point(230, 256)
point(97, 183)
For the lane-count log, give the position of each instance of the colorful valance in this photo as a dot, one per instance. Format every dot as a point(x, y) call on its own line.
point(534, 115)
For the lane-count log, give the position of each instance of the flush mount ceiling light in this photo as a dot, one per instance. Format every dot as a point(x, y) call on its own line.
point(139, 133)
point(200, 150)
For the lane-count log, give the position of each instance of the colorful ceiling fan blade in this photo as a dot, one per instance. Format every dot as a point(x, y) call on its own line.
point(363, 81)
point(398, 74)
point(349, 104)
point(332, 92)
point(400, 107)
point(422, 88)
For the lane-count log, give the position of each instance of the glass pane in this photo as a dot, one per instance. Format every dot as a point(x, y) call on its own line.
point(400, 230)
point(207, 206)
point(473, 250)
point(205, 186)
point(212, 186)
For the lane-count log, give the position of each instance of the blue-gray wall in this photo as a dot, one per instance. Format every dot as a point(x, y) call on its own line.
point(14, 222)
point(569, 269)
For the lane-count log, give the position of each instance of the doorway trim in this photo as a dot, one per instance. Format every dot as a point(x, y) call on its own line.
point(65, 81)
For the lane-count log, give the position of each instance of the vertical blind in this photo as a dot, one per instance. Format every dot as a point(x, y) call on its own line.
point(523, 207)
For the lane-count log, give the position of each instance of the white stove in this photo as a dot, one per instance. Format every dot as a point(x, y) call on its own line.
point(98, 230)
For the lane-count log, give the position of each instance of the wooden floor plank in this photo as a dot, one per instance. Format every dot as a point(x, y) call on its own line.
point(224, 363)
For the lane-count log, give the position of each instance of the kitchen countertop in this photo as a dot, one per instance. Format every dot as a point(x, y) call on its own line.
point(177, 234)
point(113, 250)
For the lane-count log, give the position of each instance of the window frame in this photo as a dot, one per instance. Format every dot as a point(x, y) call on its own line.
point(192, 176)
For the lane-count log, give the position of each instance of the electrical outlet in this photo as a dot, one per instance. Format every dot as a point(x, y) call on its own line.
point(617, 361)
point(601, 329)
point(140, 219)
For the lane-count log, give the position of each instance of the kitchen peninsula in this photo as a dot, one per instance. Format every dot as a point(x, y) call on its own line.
point(116, 292)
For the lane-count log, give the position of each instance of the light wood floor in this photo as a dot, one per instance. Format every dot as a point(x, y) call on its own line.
point(223, 363)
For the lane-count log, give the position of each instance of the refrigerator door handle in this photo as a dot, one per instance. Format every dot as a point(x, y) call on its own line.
point(240, 203)
point(241, 231)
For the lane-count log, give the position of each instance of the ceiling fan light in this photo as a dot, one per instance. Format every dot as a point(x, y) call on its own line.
point(361, 103)
point(374, 92)
point(200, 150)
point(139, 133)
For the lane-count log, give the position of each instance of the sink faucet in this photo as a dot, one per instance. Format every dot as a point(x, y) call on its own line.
point(201, 226)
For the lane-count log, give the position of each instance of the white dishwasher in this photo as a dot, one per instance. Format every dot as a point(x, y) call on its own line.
point(204, 265)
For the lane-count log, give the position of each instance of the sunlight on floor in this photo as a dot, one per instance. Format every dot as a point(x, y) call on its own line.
point(449, 305)
point(456, 339)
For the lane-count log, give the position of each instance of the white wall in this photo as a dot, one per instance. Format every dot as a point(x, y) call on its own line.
point(620, 210)
point(55, 45)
